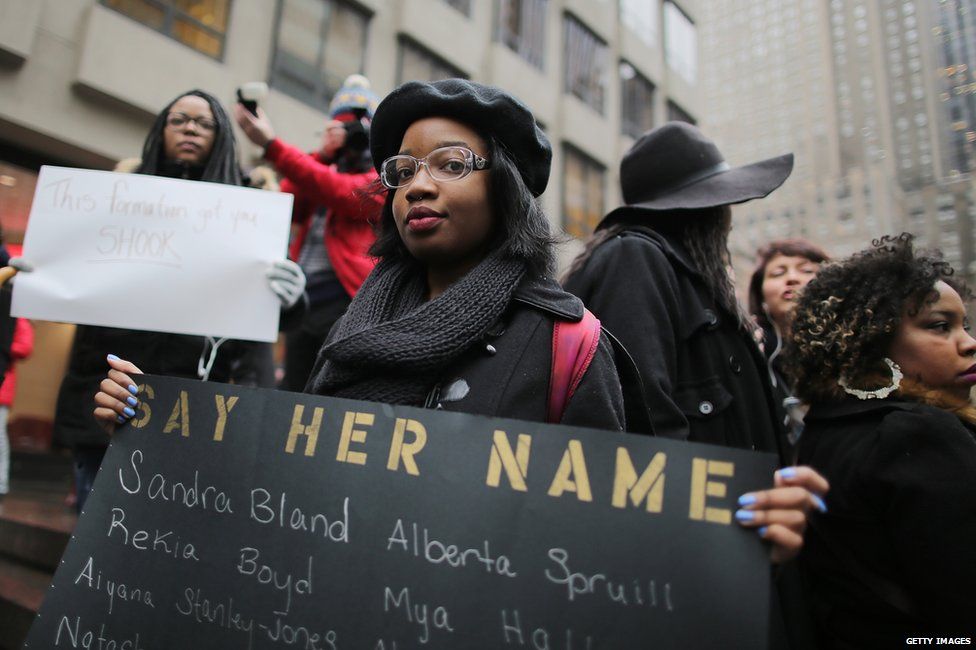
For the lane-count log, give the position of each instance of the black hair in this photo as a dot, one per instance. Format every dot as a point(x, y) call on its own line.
point(522, 232)
point(221, 165)
point(847, 316)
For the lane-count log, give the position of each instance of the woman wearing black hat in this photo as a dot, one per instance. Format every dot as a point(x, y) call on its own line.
point(460, 312)
point(703, 374)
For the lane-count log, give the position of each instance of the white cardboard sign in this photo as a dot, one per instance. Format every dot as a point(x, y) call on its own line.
point(150, 253)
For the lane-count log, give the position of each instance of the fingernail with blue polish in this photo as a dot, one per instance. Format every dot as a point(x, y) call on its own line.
point(133, 389)
point(762, 531)
point(747, 499)
point(132, 401)
point(744, 515)
point(120, 419)
point(112, 357)
point(819, 503)
point(129, 412)
point(788, 472)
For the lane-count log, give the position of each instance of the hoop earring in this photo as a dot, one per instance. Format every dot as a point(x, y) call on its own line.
point(879, 393)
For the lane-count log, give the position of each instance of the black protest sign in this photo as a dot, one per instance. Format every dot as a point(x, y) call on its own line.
point(228, 517)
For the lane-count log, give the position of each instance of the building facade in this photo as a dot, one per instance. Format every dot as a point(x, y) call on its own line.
point(80, 82)
point(873, 98)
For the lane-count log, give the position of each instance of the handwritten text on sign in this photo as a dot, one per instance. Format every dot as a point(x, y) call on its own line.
point(241, 518)
point(150, 253)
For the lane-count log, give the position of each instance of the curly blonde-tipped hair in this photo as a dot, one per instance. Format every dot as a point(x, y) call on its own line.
point(847, 316)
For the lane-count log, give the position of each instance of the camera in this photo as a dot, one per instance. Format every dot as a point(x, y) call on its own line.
point(357, 136)
point(250, 93)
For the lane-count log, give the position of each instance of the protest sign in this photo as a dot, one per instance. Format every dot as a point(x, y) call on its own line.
point(151, 253)
point(228, 517)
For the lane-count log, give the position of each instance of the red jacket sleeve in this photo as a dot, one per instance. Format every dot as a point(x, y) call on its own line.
point(23, 343)
point(323, 184)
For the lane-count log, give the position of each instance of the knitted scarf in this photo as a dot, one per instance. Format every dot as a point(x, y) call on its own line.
point(392, 346)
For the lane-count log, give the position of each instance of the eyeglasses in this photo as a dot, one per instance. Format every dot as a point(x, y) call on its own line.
point(178, 120)
point(444, 164)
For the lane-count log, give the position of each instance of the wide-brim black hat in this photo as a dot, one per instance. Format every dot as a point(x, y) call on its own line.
point(488, 110)
point(675, 167)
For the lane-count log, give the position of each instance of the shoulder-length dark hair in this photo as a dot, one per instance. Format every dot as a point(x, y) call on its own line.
point(847, 317)
point(522, 231)
point(796, 247)
point(221, 165)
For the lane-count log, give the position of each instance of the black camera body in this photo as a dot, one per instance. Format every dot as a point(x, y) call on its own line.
point(357, 136)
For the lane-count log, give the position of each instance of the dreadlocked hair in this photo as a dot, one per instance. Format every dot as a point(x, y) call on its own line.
point(221, 165)
point(846, 319)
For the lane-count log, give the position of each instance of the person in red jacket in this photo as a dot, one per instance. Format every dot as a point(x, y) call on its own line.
point(332, 216)
point(21, 347)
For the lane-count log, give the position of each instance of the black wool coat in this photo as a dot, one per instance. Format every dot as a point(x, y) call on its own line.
point(704, 378)
point(895, 554)
point(507, 373)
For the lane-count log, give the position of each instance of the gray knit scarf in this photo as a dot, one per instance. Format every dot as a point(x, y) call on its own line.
point(392, 346)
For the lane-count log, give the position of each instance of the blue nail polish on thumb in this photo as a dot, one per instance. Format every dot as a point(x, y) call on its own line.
point(762, 531)
point(112, 357)
point(788, 472)
point(819, 503)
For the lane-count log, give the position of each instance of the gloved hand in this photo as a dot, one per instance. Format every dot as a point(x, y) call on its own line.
point(15, 265)
point(287, 281)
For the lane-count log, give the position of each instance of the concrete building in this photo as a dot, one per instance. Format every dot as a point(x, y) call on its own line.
point(860, 91)
point(80, 81)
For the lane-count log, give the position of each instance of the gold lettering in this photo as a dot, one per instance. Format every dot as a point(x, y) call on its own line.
point(349, 434)
point(398, 450)
point(310, 431)
point(701, 488)
point(571, 475)
point(180, 417)
point(516, 465)
point(649, 487)
point(143, 411)
point(224, 405)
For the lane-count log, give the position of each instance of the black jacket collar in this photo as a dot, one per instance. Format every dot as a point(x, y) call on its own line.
point(852, 407)
point(546, 295)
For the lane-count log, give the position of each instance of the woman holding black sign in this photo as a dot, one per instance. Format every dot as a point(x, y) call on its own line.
point(461, 312)
point(881, 348)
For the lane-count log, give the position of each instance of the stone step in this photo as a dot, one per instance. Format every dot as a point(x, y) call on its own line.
point(35, 528)
point(22, 590)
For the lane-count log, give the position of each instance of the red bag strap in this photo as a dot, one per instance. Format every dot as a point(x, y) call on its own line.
point(573, 347)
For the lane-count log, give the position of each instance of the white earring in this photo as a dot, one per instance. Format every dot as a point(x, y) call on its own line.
point(879, 393)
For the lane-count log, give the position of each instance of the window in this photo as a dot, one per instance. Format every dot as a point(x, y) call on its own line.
point(319, 44)
point(464, 6)
point(680, 43)
point(582, 192)
point(200, 24)
point(637, 101)
point(586, 63)
point(678, 114)
point(419, 64)
point(640, 16)
point(522, 27)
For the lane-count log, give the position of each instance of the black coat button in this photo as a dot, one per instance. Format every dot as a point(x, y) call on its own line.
point(735, 365)
point(706, 407)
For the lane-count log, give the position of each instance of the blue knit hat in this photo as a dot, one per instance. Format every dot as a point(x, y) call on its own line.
point(355, 98)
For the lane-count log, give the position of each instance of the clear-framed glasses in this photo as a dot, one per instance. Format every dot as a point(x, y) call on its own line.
point(178, 120)
point(444, 164)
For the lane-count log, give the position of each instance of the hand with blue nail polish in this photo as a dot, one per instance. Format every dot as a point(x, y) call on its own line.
point(117, 400)
point(780, 514)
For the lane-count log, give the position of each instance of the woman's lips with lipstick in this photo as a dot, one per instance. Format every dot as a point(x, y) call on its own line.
point(968, 376)
point(423, 219)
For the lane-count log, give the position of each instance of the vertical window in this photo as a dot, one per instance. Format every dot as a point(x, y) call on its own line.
point(419, 64)
point(521, 25)
point(319, 43)
point(678, 114)
point(585, 71)
point(637, 102)
point(464, 6)
point(582, 192)
point(640, 16)
point(200, 24)
point(680, 42)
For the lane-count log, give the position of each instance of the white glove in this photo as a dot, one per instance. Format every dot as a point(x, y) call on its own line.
point(20, 264)
point(287, 281)
point(15, 265)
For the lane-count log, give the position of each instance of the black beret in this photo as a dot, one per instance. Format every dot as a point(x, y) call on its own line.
point(488, 110)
